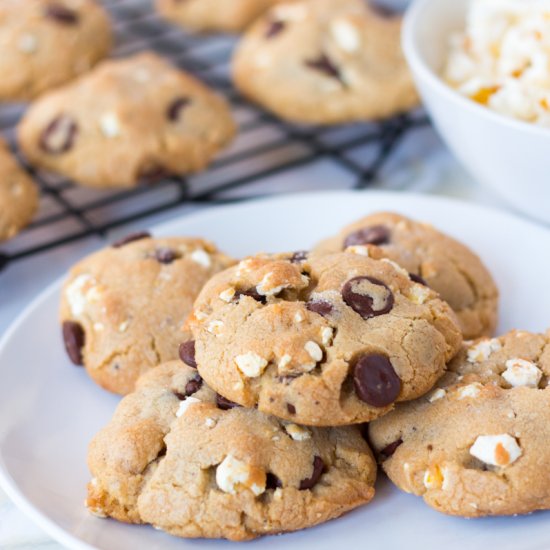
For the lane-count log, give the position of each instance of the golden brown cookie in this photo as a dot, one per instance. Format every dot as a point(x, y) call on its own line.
point(46, 43)
point(122, 308)
point(325, 62)
point(477, 444)
point(18, 195)
point(189, 464)
point(433, 258)
point(333, 340)
point(128, 121)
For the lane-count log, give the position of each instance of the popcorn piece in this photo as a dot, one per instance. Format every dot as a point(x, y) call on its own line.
point(77, 293)
point(298, 433)
point(284, 361)
point(326, 335)
point(471, 390)
point(496, 450)
point(396, 266)
point(345, 35)
point(418, 294)
point(109, 124)
point(185, 404)
point(209, 422)
point(265, 288)
point(520, 372)
point(233, 475)
point(358, 249)
point(227, 295)
point(201, 257)
point(215, 327)
point(314, 350)
point(433, 477)
point(439, 393)
point(298, 317)
point(27, 43)
point(251, 364)
point(483, 350)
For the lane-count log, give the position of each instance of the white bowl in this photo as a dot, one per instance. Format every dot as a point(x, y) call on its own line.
point(511, 156)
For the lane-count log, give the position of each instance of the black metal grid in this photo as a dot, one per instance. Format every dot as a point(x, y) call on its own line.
point(265, 146)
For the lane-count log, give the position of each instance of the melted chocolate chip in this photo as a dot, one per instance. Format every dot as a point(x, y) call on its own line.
point(176, 107)
point(61, 14)
point(224, 404)
point(299, 256)
point(367, 296)
point(318, 468)
point(193, 386)
point(417, 279)
point(187, 353)
point(74, 339)
point(375, 380)
point(272, 481)
point(274, 28)
point(291, 408)
point(322, 307)
point(59, 135)
point(388, 450)
point(377, 234)
point(324, 65)
point(252, 293)
point(131, 238)
point(165, 255)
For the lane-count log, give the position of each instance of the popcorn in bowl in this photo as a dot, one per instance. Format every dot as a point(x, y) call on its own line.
point(502, 58)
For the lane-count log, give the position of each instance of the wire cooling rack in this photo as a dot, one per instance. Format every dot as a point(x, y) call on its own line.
point(265, 146)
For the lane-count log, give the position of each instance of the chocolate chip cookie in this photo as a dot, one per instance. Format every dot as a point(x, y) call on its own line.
point(325, 62)
point(326, 341)
point(128, 121)
point(433, 259)
point(18, 195)
point(176, 457)
point(122, 308)
point(477, 445)
point(213, 15)
point(46, 43)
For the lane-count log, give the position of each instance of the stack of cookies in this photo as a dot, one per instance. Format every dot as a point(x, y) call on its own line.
point(256, 389)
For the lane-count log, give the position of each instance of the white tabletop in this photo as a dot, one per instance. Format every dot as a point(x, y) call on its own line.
point(429, 170)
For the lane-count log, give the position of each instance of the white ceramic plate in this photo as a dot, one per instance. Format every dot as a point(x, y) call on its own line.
point(49, 410)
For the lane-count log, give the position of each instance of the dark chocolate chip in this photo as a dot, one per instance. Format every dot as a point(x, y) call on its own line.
point(388, 450)
point(176, 107)
point(193, 386)
point(417, 279)
point(272, 481)
point(291, 408)
point(224, 404)
point(377, 234)
point(367, 296)
point(375, 380)
point(252, 293)
point(187, 353)
point(322, 307)
point(131, 238)
point(324, 65)
point(165, 255)
point(153, 173)
point(299, 256)
point(274, 28)
point(59, 135)
point(61, 14)
point(318, 468)
point(74, 339)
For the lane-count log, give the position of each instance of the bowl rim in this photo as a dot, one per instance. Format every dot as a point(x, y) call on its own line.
point(424, 72)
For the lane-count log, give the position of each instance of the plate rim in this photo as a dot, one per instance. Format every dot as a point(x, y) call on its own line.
point(8, 484)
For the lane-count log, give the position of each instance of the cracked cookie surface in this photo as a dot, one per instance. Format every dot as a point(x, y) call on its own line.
point(333, 340)
point(441, 262)
point(46, 43)
point(477, 444)
point(214, 15)
point(325, 62)
point(18, 195)
point(122, 308)
point(178, 461)
point(129, 121)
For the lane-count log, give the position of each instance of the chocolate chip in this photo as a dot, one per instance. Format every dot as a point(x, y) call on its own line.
point(224, 404)
point(322, 307)
point(417, 279)
point(59, 135)
point(74, 339)
point(274, 28)
point(252, 293)
point(377, 234)
point(388, 450)
point(291, 408)
point(193, 386)
point(367, 296)
point(299, 256)
point(187, 353)
point(324, 65)
point(272, 481)
point(153, 173)
point(165, 255)
point(176, 107)
point(318, 468)
point(131, 238)
point(61, 14)
point(375, 380)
